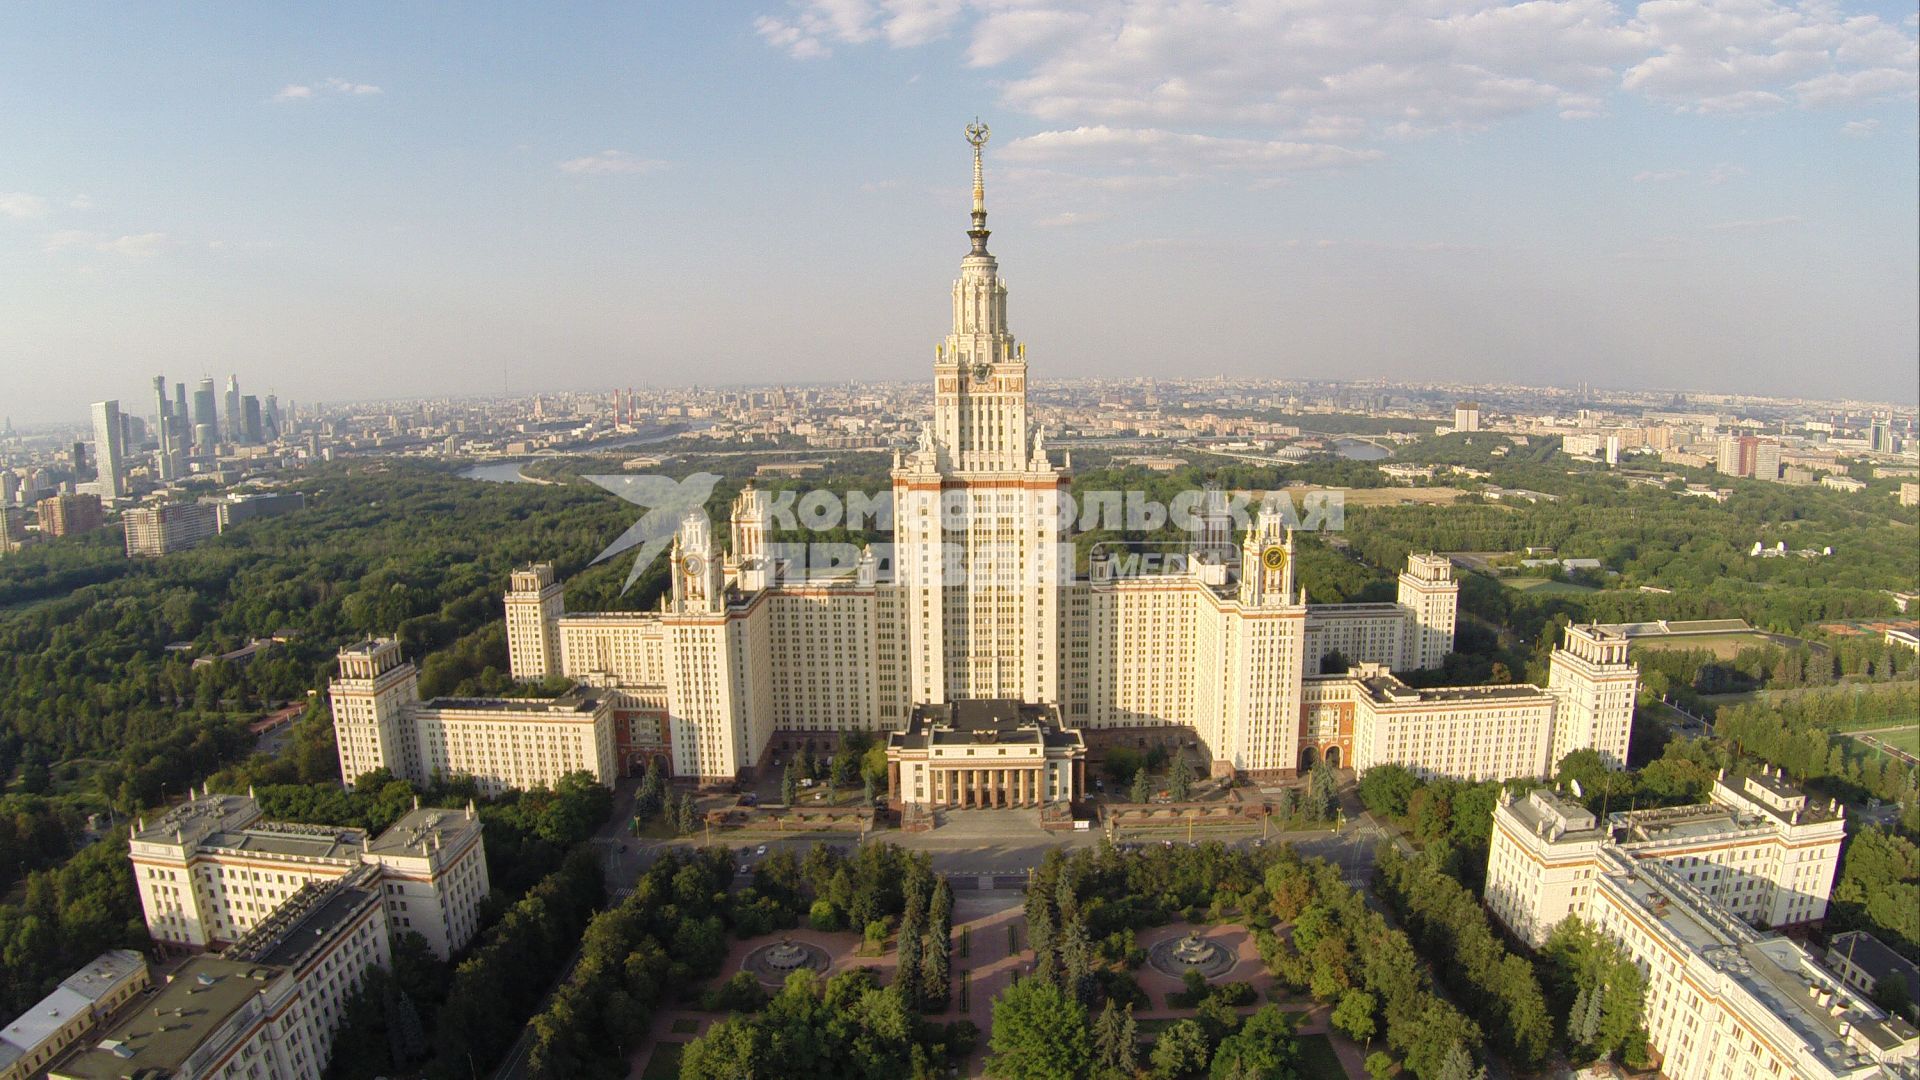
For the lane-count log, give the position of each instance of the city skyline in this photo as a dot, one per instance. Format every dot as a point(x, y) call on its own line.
point(1676, 195)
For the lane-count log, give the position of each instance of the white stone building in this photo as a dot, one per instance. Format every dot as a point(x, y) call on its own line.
point(211, 871)
point(1758, 849)
point(1725, 1000)
point(379, 721)
point(980, 598)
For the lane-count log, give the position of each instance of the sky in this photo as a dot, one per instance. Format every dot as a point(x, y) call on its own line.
point(348, 202)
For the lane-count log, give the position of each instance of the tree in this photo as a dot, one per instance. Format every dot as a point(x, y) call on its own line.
point(1385, 789)
point(1354, 1015)
point(1263, 1048)
point(790, 783)
point(1180, 1051)
point(1076, 962)
point(1379, 1066)
point(1891, 993)
point(907, 975)
point(1113, 1046)
point(1179, 778)
point(1039, 1033)
point(1142, 786)
point(936, 973)
point(1457, 1064)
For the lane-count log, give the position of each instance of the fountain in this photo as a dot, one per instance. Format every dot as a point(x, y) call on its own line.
point(773, 962)
point(1193, 952)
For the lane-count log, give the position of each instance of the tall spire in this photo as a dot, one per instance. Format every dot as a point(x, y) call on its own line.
point(977, 135)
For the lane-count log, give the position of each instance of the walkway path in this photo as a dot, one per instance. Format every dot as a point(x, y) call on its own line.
point(986, 917)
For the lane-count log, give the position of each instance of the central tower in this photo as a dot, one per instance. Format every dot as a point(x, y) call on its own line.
point(980, 374)
point(977, 507)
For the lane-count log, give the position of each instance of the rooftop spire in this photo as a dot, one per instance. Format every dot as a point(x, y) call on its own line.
point(977, 136)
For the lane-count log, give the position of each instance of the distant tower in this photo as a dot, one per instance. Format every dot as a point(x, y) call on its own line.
point(250, 426)
point(109, 449)
point(168, 432)
point(535, 602)
point(234, 430)
point(206, 417)
point(1596, 685)
point(370, 700)
point(1432, 597)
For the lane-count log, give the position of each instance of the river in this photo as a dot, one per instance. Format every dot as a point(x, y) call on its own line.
point(1355, 450)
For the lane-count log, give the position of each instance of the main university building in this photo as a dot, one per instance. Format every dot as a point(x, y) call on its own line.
point(988, 664)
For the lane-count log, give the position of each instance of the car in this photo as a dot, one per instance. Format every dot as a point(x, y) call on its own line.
point(761, 850)
point(745, 869)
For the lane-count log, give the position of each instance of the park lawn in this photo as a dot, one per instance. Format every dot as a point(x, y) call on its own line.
point(1722, 646)
point(665, 1062)
point(1906, 738)
point(1546, 586)
point(686, 1026)
point(1317, 1057)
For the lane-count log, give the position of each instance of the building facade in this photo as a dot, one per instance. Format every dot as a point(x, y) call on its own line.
point(77, 1007)
point(1725, 1000)
point(982, 598)
point(984, 752)
point(380, 722)
point(1759, 849)
point(109, 450)
point(153, 531)
point(69, 515)
point(211, 871)
point(1681, 890)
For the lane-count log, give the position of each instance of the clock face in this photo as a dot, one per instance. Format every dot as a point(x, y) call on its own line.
point(692, 565)
point(1274, 557)
point(981, 371)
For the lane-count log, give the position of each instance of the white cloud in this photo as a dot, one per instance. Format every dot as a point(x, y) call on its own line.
point(1859, 129)
point(815, 25)
point(138, 246)
point(82, 201)
point(342, 86)
point(1380, 68)
point(1160, 150)
point(609, 163)
point(131, 246)
point(332, 87)
point(19, 204)
point(1662, 176)
point(1724, 172)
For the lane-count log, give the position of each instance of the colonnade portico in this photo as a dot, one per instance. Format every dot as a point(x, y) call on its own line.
point(985, 753)
point(963, 787)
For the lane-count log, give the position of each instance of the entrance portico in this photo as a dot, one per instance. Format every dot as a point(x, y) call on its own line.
point(987, 753)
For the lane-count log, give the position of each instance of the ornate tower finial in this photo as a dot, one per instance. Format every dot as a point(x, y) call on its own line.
point(977, 134)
